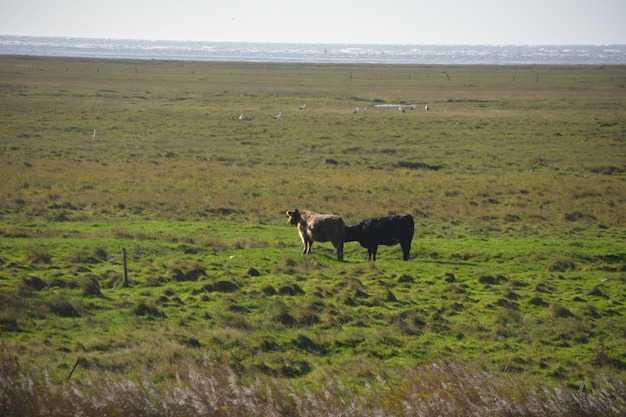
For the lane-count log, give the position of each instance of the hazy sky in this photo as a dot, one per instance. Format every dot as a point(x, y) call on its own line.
point(324, 21)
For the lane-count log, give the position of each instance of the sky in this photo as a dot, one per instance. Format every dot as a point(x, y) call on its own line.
point(473, 22)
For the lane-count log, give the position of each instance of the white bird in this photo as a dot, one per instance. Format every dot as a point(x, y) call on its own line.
point(413, 107)
point(241, 116)
point(364, 109)
point(401, 108)
point(426, 107)
point(356, 110)
point(94, 134)
point(277, 117)
point(303, 107)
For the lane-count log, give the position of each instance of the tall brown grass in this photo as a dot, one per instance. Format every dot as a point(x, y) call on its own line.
point(203, 388)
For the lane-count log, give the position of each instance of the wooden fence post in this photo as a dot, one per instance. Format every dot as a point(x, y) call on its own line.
point(125, 268)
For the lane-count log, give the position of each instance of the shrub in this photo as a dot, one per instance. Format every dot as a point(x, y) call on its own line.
point(193, 274)
point(236, 321)
point(79, 258)
point(294, 369)
point(293, 289)
point(449, 277)
point(34, 283)
point(100, 254)
point(90, 287)
point(269, 290)
point(418, 165)
point(562, 264)
point(601, 358)
point(559, 311)
point(253, 272)
point(279, 313)
point(61, 307)
point(190, 341)
point(538, 301)
point(305, 343)
point(8, 321)
point(177, 274)
point(144, 309)
point(577, 215)
point(491, 279)
point(309, 318)
point(38, 255)
point(225, 286)
point(597, 291)
point(410, 322)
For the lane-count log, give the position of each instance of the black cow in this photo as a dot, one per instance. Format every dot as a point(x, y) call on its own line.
point(383, 231)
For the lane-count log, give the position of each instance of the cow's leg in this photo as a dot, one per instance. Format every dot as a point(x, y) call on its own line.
point(339, 249)
point(308, 245)
point(406, 248)
point(372, 252)
point(304, 245)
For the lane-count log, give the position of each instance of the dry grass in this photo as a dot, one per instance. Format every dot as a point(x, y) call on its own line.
point(203, 388)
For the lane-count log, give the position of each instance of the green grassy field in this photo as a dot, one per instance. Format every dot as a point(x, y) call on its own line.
point(513, 297)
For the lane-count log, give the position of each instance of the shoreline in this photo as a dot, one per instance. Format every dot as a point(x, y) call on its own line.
point(320, 53)
point(295, 63)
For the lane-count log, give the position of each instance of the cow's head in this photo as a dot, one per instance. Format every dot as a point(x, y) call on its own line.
point(294, 216)
point(351, 234)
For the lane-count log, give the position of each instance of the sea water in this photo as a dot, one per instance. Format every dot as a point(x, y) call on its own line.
point(315, 53)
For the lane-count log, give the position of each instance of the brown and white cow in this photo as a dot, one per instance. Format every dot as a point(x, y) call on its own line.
point(315, 227)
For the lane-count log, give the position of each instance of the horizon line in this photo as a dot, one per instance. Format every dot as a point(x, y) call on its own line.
point(307, 42)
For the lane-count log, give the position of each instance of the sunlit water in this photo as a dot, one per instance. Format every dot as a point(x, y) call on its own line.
point(315, 53)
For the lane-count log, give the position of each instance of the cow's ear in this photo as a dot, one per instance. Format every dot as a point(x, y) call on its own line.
point(289, 213)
